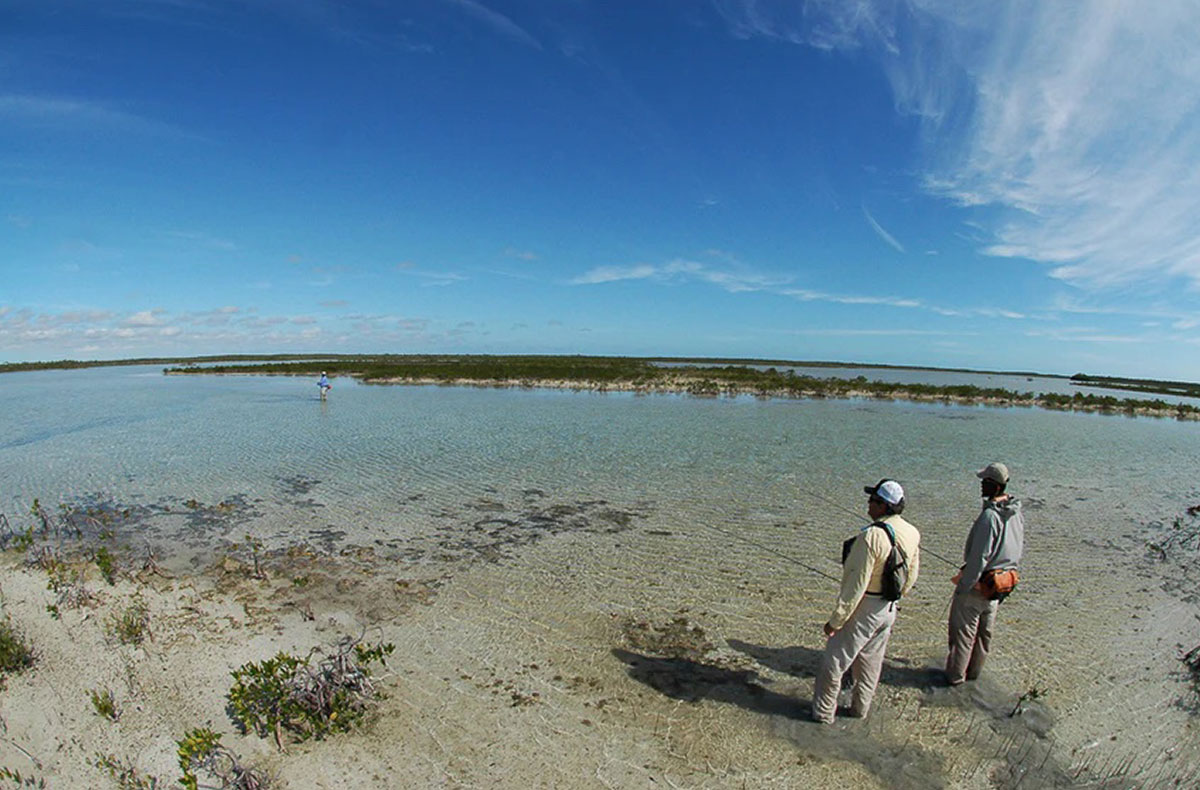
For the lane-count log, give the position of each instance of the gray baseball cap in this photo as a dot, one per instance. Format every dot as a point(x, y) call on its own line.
point(995, 471)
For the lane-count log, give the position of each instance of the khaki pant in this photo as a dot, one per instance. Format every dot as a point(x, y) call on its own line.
point(970, 635)
point(859, 646)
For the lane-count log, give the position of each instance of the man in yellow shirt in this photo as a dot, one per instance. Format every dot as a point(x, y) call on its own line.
point(862, 620)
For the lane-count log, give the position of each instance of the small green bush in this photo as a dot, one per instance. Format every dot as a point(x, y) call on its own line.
point(201, 750)
point(19, 540)
point(124, 773)
point(61, 576)
point(107, 564)
point(132, 625)
point(15, 652)
point(105, 704)
point(329, 691)
point(9, 775)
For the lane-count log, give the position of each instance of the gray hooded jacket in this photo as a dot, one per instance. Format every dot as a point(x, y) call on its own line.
point(995, 541)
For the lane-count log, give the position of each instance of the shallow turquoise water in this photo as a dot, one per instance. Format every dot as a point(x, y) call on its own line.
point(388, 463)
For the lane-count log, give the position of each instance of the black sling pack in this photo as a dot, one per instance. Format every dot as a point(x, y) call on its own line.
point(895, 567)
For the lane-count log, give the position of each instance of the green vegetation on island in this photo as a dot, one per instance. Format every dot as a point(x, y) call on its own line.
point(644, 375)
point(1182, 388)
point(72, 364)
point(331, 359)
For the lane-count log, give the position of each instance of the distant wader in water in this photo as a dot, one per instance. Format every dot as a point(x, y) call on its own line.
point(324, 384)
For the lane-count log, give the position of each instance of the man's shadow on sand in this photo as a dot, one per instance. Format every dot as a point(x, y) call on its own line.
point(899, 765)
point(804, 661)
point(691, 681)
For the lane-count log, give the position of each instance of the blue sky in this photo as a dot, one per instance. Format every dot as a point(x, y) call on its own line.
point(931, 182)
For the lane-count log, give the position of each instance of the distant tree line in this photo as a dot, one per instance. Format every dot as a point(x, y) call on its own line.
point(1185, 388)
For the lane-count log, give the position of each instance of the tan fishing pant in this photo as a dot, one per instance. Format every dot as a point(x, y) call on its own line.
point(859, 646)
point(970, 635)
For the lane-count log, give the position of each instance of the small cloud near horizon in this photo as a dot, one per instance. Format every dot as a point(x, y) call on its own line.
point(523, 255)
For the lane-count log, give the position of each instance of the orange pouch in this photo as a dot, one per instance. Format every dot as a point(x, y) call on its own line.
point(998, 584)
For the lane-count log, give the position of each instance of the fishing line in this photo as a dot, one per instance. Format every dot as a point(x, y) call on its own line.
point(776, 552)
point(844, 509)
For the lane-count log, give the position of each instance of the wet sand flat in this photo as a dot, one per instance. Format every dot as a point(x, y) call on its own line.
point(577, 644)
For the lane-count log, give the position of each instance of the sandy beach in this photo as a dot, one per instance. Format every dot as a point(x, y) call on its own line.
point(577, 657)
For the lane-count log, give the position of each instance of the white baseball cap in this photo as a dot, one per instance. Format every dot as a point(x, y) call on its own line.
point(887, 490)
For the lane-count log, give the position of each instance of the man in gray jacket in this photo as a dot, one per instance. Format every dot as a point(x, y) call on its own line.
point(994, 543)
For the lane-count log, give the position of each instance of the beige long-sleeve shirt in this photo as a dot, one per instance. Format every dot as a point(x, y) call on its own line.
point(862, 572)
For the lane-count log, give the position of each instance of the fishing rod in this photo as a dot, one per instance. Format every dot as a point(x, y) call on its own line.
point(844, 509)
point(776, 552)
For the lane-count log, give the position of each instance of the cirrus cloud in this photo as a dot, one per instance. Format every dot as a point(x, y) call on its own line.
point(1074, 123)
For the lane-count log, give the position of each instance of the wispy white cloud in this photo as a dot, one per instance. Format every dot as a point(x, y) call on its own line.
point(517, 275)
point(738, 278)
point(1086, 335)
point(204, 240)
point(81, 249)
point(145, 318)
point(612, 274)
point(154, 331)
point(430, 278)
point(523, 255)
point(982, 312)
point(888, 332)
point(805, 295)
point(53, 113)
point(1121, 309)
point(221, 316)
point(326, 275)
point(680, 270)
point(1077, 120)
point(497, 22)
point(825, 24)
point(880, 232)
